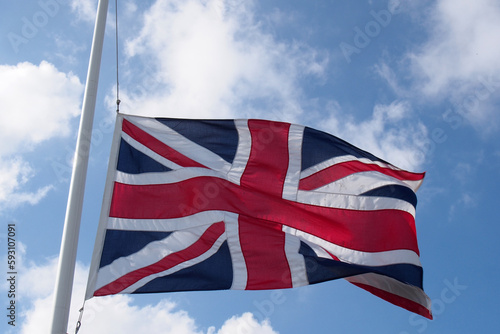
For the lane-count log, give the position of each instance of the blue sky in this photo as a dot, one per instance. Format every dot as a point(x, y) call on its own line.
point(416, 84)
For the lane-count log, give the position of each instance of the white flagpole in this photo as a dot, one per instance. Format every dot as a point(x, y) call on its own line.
point(69, 243)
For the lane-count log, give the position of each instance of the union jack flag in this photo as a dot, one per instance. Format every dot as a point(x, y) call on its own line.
point(250, 205)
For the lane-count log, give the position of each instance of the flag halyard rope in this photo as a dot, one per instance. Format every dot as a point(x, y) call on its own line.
point(116, 47)
point(79, 322)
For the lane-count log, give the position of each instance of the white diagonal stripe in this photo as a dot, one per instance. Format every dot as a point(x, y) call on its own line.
point(185, 264)
point(358, 257)
point(174, 176)
point(359, 183)
point(345, 158)
point(394, 287)
point(180, 143)
point(152, 253)
point(166, 225)
point(340, 159)
point(352, 202)
point(150, 153)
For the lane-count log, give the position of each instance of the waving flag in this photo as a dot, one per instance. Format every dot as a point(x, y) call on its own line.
point(250, 205)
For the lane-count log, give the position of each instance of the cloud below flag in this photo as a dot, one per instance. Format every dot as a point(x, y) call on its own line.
point(251, 205)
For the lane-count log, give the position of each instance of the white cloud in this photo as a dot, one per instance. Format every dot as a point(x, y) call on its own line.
point(211, 59)
point(84, 9)
point(463, 172)
point(111, 314)
point(118, 315)
point(37, 103)
point(392, 79)
point(14, 174)
point(465, 201)
point(459, 61)
point(463, 43)
point(390, 134)
point(247, 324)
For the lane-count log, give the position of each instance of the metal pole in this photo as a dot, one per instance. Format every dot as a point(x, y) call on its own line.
point(69, 243)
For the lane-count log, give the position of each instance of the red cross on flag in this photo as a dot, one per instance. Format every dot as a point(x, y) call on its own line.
point(250, 205)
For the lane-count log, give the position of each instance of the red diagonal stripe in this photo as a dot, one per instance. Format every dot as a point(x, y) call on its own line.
point(343, 169)
point(370, 231)
point(407, 304)
point(158, 146)
point(201, 246)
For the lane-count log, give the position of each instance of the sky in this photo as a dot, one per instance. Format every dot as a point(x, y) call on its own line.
point(415, 83)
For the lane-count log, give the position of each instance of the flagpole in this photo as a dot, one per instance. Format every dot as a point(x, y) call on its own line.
point(69, 243)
